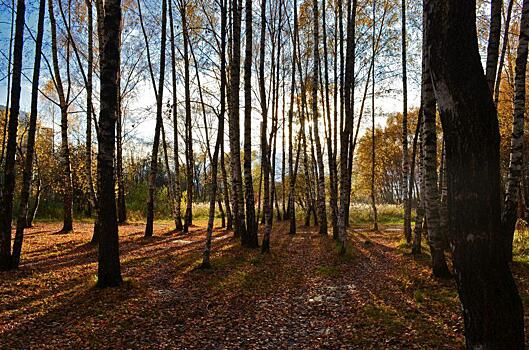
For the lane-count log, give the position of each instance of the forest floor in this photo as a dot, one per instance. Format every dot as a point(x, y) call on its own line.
point(301, 295)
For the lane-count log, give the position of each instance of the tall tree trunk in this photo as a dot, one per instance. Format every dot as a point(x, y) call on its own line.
point(159, 105)
point(251, 223)
point(503, 51)
point(291, 174)
point(405, 160)
point(220, 138)
point(234, 132)
point(494, 42)
point(373, 156)
point(333, 187)
point(7, 194)
point(322, 211)
point(65, 148)
point(265, 161)
point(347, 129)
point(283, 151)
point(109, 270)
point(188, 218)
point(177, 191)
point(493, 311)
point(30, 146)
point(431, 195)
point(89, 107)
point(304, 114)
point(508, 218)
point(213, 193)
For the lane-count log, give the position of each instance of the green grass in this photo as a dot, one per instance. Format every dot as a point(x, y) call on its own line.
point(388, 214)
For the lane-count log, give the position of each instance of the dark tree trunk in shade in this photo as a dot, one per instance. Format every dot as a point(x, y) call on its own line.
point(492, 307)
point(109, 270)
point(30, 146)
point(7, 193)
point(429, 176)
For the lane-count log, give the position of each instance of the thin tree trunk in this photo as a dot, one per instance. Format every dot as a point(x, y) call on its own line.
point(405, 160)
point(373, 156)
point(177, 191)
point(251, 223)
point(265, 246)
point(291, 174)
point(503, 51)
point(509, 217)
point(419, 212)
point(494, 42)
point(65, 148)
point(234, 132)
point(89, 107)
point(322, 212)
point(159, 105)
point(333, 188)
point(109, 270)
point(493, 311)
point(188, 218)
point(220, 138)
point(7, 194)
point(431, 195)
point(33, 211)
point(30, 146)
point(283, 152)
point(213, 188)
point(226, 194)
point(8, 86)
point(121, 204)
point(346, 127)
point(443, 189)
point(170, 185)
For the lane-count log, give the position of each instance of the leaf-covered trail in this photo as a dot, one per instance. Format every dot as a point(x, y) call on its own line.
point(301, 295)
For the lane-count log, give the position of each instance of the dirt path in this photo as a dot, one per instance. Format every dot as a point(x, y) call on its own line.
point(302, 295)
